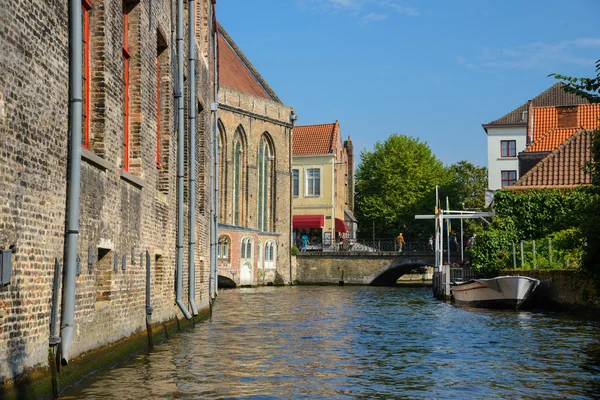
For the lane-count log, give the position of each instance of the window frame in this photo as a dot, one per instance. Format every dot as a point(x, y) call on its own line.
point(508, 180)
point(296, 182)
point(508, 148)
point(307, 178)
point(126, 57)
point(86, 6)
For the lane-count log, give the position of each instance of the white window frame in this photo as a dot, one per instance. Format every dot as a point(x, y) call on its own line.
point(306, 178)
point(296, 194)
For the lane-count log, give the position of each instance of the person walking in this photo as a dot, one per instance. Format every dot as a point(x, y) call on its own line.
point(400, 240)
point(430, 242)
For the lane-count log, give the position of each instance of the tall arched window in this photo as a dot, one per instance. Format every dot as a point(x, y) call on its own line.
point(265, 183)
point(223, 199)
point(246, 251)
point(239, 175)
point(223, 248)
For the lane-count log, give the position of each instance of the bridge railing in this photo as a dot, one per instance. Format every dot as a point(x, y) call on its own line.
point(378, 245)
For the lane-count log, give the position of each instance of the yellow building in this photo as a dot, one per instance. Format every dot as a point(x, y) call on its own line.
point(322, 187)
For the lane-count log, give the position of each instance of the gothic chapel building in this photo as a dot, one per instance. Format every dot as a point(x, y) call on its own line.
point(254, 174)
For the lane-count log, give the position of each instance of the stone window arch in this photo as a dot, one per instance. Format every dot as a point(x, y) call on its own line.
point(240, 176)
point(223, 248)
point(266, 182)
point(223, 173)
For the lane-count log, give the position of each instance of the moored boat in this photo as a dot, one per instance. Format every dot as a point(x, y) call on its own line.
point(499, 292)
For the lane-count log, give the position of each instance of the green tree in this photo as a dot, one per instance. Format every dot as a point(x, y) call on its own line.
point(467, 184)
point(394, 182)
point(588, 88)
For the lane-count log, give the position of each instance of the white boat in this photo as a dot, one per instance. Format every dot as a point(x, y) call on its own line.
point(499, 292)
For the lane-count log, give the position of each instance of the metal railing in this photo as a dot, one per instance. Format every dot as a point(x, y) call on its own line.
point(379, 245)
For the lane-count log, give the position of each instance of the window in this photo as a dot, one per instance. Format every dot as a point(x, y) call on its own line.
point(246, 248)
point(509, 148)
point(223, 248)
point(126, 56)
point(296, 182)
point(238, 198)
point(265, 185)
point(85, 110)
point(313, 182)
point(508, 178)
point(223, 169)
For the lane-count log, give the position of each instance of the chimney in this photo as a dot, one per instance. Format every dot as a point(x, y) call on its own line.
point(529, 122)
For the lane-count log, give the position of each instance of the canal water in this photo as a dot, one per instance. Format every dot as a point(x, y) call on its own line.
point(360, 342)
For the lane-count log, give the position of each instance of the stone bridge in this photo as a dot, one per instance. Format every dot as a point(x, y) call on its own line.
point(360, 268)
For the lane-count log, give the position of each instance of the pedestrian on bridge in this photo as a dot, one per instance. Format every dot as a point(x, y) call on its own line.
point(430, 242)
point(400, 240)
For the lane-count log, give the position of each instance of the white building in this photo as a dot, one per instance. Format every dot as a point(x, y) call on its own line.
point(511, 134)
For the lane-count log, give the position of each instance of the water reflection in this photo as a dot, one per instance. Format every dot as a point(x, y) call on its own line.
point(360, 342)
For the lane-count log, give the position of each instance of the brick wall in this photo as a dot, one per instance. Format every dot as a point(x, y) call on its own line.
point(121, 212)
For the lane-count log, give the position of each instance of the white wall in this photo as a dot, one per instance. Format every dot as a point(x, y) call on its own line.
point(497, 163)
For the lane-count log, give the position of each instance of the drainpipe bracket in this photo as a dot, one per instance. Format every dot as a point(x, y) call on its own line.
point(54, 341)
point(214, 106)
point(149, 310)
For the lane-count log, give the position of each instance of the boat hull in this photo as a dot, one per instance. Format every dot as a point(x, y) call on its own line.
point(499, 292)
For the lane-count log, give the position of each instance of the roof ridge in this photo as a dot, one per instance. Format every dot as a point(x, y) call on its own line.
point(329, 123)
point(248, 64)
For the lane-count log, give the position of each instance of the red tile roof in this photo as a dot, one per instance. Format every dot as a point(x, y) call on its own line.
point(547, 135)
point(237, 72)
point(564, 167)
point(315, 139)
point(553, 96)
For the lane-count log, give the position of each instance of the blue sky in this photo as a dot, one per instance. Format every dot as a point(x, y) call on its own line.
point(435, 70)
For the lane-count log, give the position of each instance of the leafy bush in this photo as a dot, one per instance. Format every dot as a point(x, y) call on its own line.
point(295, 251)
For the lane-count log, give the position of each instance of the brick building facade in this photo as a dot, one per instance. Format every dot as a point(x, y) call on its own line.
point(128, 169)
point(254, 174)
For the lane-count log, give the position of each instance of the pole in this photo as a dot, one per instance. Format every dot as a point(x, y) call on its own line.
point(462, 257)
point(448, 229)
point(522, 259)
point(514, 257)
point(550, 251)
point(533, 244)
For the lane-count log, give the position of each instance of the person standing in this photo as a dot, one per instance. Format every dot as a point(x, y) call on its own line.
point(304, 242)
point(430, 242)
point(400, 240)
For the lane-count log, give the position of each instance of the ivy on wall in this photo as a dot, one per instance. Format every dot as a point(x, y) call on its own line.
point(539, 215)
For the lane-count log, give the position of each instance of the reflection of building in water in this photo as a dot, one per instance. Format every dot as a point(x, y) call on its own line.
point(254, 173)
point(322, 186)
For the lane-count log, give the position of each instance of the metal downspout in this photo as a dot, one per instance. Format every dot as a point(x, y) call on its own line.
point(192, 160)
point(180, 161)
point(216, 162)
point(74, 181)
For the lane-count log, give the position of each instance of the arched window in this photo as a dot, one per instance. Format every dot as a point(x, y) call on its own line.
point(265, 183)
point(223, 248)
point(223, 199)
point(239, 176)
point(246, 251)
point(269, 254)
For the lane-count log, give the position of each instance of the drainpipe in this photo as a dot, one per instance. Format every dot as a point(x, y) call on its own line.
point(73, 183)
point(192, 160)
point(213, 165)
point(293, 119)
point(216, 161)
point(180, 161)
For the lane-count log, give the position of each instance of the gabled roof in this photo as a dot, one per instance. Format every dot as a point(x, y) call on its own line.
point(564, 167)
point(315, 139)
point(553, 96)
point(237, 72)
point(546, 134)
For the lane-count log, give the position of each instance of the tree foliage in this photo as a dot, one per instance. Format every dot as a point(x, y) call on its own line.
point(395, 181)
point(533, 215)
point(588, 88)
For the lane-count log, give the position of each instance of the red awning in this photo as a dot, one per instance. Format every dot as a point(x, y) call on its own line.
point(340, 225)
point(308, 221)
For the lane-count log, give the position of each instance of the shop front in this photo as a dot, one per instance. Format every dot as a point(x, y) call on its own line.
point(308, 232)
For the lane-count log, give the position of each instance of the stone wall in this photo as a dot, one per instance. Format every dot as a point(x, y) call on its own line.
point(256, 116)
point(123, 213)
point(561, 290)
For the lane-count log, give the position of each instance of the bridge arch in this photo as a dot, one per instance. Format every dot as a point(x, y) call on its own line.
point(401, 266)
